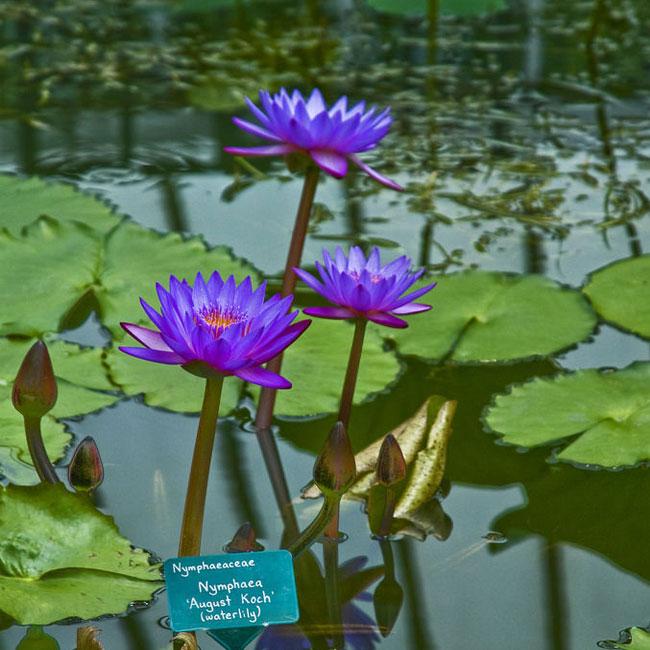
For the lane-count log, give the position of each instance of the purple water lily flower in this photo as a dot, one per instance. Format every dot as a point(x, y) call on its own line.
point(218, 327)
point(329, 136)
point(362, 288)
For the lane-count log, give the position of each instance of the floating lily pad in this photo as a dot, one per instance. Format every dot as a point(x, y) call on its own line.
point(639, 639)
point(23, 200)
point(136, 258)
point(480, 316)
point(608, 412)
point(454, 7)
point(315, 364)
point(620, 293)
point(46, 271)
point(61, 558)
point(168, 387)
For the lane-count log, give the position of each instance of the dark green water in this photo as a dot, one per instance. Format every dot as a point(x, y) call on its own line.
point(535, 120)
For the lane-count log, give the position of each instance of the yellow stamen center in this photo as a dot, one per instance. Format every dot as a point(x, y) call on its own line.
point(220, 319)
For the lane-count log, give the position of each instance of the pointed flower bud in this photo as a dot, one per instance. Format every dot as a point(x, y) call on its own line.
point(34, 391)
point(86, 470)
point(244, 541)
point(387, 600)
point(335, 469)
point(391, 466)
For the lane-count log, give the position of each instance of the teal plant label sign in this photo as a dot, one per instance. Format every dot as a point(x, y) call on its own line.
point(231, 590)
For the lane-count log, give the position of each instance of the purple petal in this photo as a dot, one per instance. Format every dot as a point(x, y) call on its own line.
point(159, 356)
point(254, 129)
point(410, 297)
point(411, 308)
point(331, 162)
point(309, 280)
point(271, 150)
point(262, 377)
point(382, 318)
point(144, 335)
point(376, 175)
point(330, 312)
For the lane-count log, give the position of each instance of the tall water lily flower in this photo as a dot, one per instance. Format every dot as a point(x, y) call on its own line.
point(214, 329)
point(362, 289)
point(218, 328)
point(331, 137)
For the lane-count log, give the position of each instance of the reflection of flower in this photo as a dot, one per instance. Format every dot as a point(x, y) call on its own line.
point(359, 629)
point(362, 288)
point(331, 137)
point(218, 327)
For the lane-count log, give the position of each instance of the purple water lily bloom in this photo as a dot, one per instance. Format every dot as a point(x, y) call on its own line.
point(362, 288)
point(218, 327)
point(329, 136)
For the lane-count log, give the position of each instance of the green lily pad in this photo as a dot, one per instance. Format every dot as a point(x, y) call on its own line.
point(167, 387)
point(136, 258)
point(620, 293)
point(80, 376)
point(61, 558)
point(315, 364)
point(608, 412)
point(481, 316)
point(23, 200)
point(48, 269)
point(639, 640)
point(454, 7)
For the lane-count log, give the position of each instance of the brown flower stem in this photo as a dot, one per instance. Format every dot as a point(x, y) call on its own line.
point(389, 511)
point(332, 591)
point(197, 486)
point(313, 531)
point(267, 397)
point(40, 459)
point(352, 372)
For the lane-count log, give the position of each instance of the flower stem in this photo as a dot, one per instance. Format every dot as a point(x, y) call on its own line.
point(389, 511)
point(197, 486)
point(333, 591)
point(312, 532)
point(352, 372)
point(267, 397)
point(42, 464)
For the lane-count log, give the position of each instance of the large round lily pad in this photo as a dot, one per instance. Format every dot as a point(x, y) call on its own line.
point(620, 293)
point(61, 558)
point(608, 412)
point(23, 200)
point(316, 366)
point(481, 316)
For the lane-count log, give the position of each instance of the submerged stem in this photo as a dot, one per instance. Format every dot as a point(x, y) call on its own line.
point(294, 256)
point(333, 591)
point(313, 531)
point(197, 486)
point(42, 464)
point(352, 372)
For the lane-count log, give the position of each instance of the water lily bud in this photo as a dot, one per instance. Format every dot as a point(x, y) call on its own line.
point(387, 600)
point(86, 470)
point(34, 392)
point(391, 466)
point(335, 469)
point(244, 541)
point(36, 639)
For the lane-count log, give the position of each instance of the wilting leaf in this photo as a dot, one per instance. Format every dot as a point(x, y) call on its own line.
point(480, 316)
point(23, 200)
point(610, 410)
point(61, 558)
point(620, 293)
point(316, 365)
point(88, 638)
point(423, 439)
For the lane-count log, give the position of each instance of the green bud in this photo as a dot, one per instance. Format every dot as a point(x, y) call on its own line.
point(391, 466)
point(335, 469)
point(86, 470)
point(244, 541)
point(387, 600)
point(36, 639)
point(34, 392)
